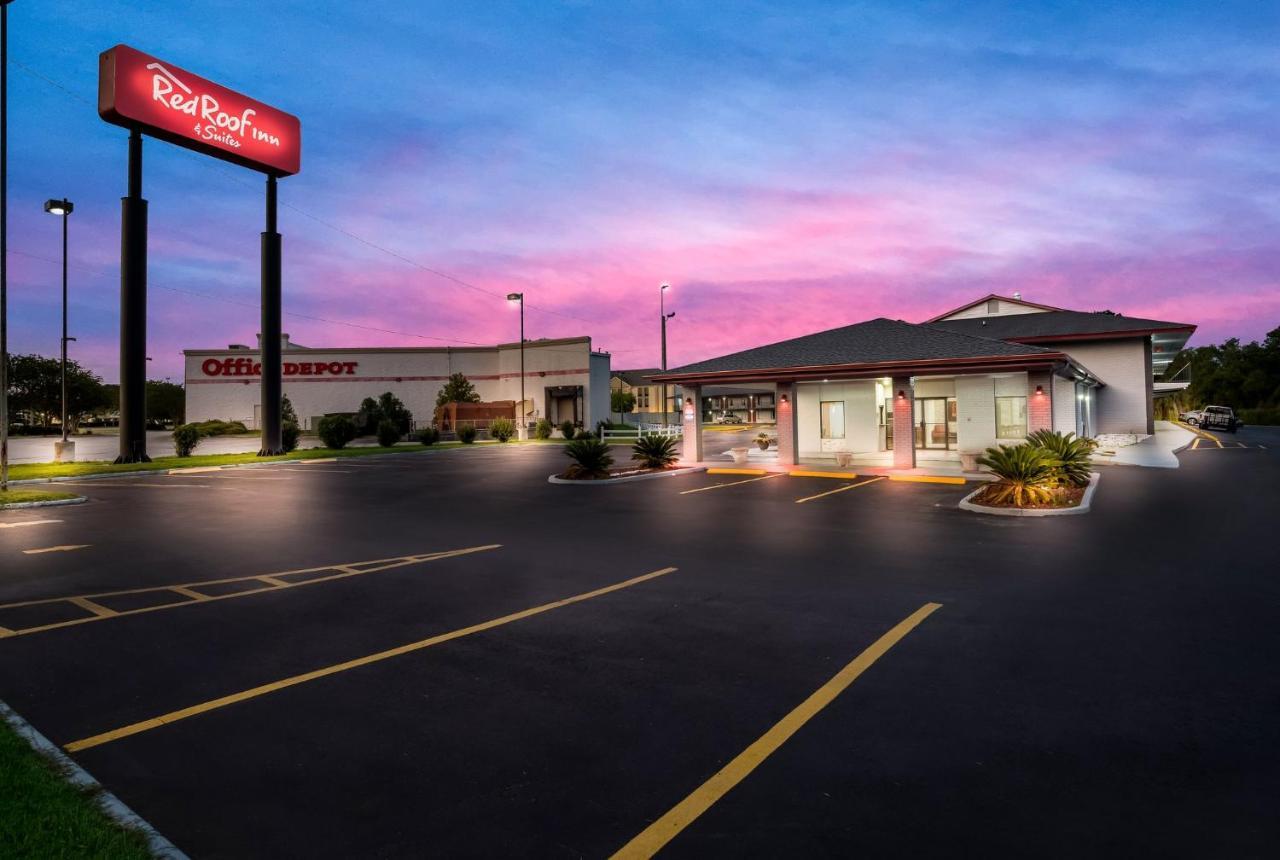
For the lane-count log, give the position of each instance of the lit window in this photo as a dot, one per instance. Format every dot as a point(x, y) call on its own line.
point(832, 412)
point(1011, 417)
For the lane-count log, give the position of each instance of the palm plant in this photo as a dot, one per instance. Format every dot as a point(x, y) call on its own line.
point(1026, 473)
point(1070, 455)
point(590, 455)
point(655, 452)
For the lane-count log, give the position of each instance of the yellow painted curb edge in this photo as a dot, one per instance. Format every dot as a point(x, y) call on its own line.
point(715, 471)
point(844, 476)
point(927, 479)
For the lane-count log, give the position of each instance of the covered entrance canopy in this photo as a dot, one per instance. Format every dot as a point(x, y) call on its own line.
point(860, 390)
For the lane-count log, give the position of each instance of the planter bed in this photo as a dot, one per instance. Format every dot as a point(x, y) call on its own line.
point(619, 476)
point(1076, 500)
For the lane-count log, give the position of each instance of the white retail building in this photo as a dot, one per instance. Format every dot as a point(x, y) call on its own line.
point(564, 379)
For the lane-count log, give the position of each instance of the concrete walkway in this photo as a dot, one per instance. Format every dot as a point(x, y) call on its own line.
point(1155, 451)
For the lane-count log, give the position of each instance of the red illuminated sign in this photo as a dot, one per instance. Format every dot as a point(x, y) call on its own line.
point(248, 367)
point(136, 90)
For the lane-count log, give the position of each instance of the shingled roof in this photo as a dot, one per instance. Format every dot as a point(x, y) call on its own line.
point(636, 378)
point(871, 342)
point(1051, 324)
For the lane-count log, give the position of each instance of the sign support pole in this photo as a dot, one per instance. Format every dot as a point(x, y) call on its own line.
point(269, 349)
point(133, 313)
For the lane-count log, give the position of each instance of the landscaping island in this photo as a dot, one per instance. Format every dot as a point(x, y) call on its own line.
point(1046, 475)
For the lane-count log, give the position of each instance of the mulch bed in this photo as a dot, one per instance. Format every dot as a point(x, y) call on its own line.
point(576, 473)
point(1068, 497)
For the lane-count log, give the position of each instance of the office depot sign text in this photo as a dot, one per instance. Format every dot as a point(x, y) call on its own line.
point(248, 367)
point(135, 90)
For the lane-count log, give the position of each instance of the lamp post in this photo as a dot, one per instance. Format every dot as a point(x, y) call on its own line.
point(4, 244)
point(522, 431)
point(63, 208)
point(662, 312)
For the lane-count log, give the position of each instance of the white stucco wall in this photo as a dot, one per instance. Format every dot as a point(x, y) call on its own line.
point(860, 419)
point(975, 413)
point(1003, 308)
point(1064, 405)
point(413, 375)
point(1124, 403)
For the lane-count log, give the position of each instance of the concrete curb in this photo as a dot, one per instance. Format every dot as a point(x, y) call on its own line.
point(111, 805)
point(49, 503)
point(1082, 508)
point(670, 473)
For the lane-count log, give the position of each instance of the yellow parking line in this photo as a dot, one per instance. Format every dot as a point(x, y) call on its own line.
point(80, 600)
point(1195, 444)
point(799, 473)
point(927, 479)
point(654, 837)
point(716, 470)
point(89, 606)
point(763, 477)
point(1219, 441)
point(21, 523)
point(64, 548)
point(293, 681)
point(839, 490)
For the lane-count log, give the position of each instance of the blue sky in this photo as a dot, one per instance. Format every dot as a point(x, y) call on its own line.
point(788, 167)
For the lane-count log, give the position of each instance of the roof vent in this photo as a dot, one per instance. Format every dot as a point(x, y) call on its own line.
point(1017, 297)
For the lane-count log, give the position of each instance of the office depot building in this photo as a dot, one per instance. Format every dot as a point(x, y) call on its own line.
point(564, 380)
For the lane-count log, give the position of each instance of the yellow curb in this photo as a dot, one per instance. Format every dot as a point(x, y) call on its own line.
point(193, 470)
point(737, 471)
point(927, 479)
point(844, 476)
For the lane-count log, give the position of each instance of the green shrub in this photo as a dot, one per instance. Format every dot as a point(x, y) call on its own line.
point(1071, 463)
point(502, 429)
point(542, 430)
point(289, 434)
point(1026, 473)
point(428, 436)
point(1266, 416)
point(568, 429)
point(655, 452)
point(185, 439)
point(388, 433)
point(216, 427)
point(466, 435)
point(591, 457)
point(336, 430)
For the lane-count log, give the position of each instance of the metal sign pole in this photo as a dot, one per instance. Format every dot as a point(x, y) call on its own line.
point(133, 313)
point(269, 349)
point(4, 244)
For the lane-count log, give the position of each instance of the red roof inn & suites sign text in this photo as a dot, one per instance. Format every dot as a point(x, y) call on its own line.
point(248, 367)
point(136, 90)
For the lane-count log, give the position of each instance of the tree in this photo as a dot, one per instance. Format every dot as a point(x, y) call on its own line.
point(35, 388)
point(166, 402)
point(393, 410)
point(457, 390)
point(1242, 376)
point(287, 413)
point(368, 416)
point(622, 402)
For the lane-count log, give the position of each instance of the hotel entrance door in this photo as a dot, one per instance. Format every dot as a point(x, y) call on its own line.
point(935, 419)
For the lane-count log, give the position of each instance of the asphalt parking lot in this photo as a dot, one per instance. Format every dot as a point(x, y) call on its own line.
point(443, 654)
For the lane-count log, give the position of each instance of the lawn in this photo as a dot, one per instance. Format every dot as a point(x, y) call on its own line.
point(27, 471)
point(44, 816)
point(18, 495)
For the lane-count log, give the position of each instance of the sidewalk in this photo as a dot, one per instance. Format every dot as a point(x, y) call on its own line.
point(1156, 452)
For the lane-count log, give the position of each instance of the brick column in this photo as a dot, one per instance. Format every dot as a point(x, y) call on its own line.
point(1039, 405)
point(691, 426)
point(904, 419)
point(788, 449)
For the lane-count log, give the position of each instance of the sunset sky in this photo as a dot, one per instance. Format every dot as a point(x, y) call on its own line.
point(787, 167)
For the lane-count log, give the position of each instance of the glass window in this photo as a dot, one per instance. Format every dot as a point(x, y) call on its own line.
point(832, 417)
point(1011, 417)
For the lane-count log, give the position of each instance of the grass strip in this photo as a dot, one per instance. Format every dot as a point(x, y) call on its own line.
point(44, 816)
point(19, 495)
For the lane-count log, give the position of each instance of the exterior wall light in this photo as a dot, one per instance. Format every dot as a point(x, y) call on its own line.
point(902, 395)
point(1039, 390)
point(784, 399)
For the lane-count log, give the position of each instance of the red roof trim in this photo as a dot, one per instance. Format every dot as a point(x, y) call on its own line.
point(872, 369)
point(1101, 335)
point(988, 297)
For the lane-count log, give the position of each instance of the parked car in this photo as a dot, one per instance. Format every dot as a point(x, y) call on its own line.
point(1191, 417)
point(1219, 418)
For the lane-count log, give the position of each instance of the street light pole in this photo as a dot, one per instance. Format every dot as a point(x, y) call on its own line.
point(62, 208)
point(522, 430)
point(662, 313)
point(4, 244)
